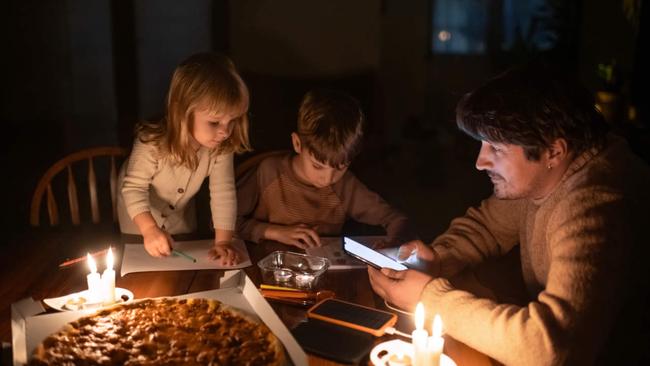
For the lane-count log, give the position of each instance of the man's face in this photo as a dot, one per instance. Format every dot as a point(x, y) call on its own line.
point(512, 174)
point(211, 129)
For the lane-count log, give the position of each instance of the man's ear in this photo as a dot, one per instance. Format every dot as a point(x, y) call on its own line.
point(557, 152)
point(295, 140)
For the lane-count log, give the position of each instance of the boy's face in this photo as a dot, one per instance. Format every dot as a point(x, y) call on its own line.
point(210, 128)
point(512, 174)
point(312, 171)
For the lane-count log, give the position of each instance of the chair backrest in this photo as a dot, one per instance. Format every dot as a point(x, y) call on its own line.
point(252, 162)
point(45, 185)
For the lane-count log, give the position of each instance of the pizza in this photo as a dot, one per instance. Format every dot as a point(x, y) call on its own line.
point(164, 331)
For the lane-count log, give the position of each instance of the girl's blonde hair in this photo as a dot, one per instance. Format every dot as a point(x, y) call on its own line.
point(204, 80)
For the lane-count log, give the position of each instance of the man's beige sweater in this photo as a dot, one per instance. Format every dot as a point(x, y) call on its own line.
point(577, 247)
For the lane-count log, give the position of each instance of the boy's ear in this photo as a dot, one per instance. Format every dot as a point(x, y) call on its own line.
point(295, 140)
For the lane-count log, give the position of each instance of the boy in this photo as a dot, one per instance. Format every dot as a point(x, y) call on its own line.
point(295, 198)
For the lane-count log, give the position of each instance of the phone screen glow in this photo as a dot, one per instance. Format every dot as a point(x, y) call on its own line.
point(371, 255)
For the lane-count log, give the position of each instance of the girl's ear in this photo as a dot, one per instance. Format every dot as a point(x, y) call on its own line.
point(295, 140)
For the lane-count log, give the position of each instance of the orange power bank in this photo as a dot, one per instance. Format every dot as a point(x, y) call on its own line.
point(347, 314)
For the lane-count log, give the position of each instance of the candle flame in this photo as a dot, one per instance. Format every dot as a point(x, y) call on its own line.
point(91, 263)
point(109, 259)
point(419, 316)
point(437, 326)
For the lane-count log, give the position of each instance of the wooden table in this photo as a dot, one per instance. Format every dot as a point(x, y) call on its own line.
point(30, 269)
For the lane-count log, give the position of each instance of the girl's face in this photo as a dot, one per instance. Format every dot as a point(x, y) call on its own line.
point(211, 129)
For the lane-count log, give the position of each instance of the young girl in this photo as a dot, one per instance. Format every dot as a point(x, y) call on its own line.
point(205, 123)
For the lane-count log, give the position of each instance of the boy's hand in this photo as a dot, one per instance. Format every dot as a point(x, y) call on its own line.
point(301, 236)
point(225, 254)
point(157, 243)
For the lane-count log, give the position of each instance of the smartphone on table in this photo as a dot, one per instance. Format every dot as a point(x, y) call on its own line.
point(370, 256)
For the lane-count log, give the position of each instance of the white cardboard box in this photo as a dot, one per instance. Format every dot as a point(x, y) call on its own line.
point(28, 328)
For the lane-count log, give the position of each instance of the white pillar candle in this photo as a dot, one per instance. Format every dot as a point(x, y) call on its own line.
point(94, 281)
point(419, 338)
point(108, 279)
point(436, 342)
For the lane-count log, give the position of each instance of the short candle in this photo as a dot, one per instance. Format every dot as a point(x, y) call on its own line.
point(282, 275)
point(304, 280)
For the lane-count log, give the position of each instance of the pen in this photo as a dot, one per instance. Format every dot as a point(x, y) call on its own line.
point(271, 287)
point(182, 254)
point(81, 259)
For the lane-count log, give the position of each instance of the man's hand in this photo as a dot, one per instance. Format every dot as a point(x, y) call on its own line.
point(400, 288)
point(225, 254)
point(301, 236)
point(157, 243)
point(422, 251)
point(425, 257)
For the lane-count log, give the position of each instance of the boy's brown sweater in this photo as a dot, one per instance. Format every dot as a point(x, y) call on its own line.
point(578, 248)
point(272, 194)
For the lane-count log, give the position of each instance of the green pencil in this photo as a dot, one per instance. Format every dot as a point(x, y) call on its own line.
point(178, 252)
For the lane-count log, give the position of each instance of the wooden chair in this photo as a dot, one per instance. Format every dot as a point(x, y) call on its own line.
point(252, 162)
point(45, 185)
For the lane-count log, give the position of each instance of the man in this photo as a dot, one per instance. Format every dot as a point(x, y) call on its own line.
point(574, 199)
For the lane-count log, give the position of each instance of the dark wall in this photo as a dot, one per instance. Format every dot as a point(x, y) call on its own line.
point(81, 73)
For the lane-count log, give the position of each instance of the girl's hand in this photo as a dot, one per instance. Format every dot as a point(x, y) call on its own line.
point(225, 254)
point(157, 243)
point(301, 236)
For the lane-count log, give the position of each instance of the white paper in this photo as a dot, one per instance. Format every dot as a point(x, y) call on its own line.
point(243, 296)
point(332, 249)
point(136, 259)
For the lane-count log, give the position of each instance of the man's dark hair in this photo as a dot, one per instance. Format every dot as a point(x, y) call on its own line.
point(531, 106)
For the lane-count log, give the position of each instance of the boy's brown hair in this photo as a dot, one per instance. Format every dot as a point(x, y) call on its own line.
point(330, 125)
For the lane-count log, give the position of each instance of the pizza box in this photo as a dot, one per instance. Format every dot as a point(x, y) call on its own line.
point(29, 327)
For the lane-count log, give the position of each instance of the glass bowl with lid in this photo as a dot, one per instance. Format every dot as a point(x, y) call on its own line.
point(291, 269)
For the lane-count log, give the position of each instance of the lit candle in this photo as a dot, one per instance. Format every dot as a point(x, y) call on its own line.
point(108, 279)
point(436, 342)
point(94, 281)
point(419, 338)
